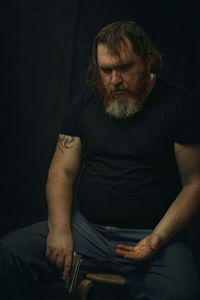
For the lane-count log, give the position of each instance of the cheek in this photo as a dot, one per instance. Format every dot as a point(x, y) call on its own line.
point(105, 79)
point(136, 76)
point(131, 79)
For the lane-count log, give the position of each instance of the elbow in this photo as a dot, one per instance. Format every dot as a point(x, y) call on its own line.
point(56, 175)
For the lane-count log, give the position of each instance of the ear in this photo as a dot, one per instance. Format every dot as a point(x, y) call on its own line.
point(149, 60)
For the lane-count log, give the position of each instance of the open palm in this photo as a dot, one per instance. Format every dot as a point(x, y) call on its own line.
point(143, 250)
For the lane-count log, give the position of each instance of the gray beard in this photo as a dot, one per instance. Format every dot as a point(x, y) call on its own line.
point(122, 107)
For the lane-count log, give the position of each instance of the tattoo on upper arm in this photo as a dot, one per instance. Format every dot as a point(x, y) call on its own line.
point(65, 142)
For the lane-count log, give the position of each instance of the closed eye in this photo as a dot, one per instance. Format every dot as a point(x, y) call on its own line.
point(106, 70)
point(126, 67)
point(121, 68)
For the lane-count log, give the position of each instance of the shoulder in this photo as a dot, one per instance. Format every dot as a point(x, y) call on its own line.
point(74, 112)
point(182, 113)
point(172, 90)
point(82, 100)
point(177, 99)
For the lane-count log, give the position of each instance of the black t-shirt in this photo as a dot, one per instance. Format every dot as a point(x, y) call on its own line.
point(130, 175)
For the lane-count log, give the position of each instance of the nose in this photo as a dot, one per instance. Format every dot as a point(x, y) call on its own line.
point(116, 77)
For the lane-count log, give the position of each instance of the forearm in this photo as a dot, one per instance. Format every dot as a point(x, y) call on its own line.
point(59, 200)
point(185, 207)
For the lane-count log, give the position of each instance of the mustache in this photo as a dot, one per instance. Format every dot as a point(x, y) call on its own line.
point(118, 88)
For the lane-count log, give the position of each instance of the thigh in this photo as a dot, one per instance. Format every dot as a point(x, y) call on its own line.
point(24, 250)
point(91, 242)
point(171, 274)
point(89, 239)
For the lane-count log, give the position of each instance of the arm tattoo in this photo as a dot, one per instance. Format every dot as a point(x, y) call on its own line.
point(64, 142)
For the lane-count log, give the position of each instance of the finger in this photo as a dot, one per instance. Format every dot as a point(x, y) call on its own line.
point(60, 261)
point(53, 257)
point(123, 253)
point(128, 255)
point(136, 257)
point(48, 253)
point(139, 255)
point(67, 266)
point(127, 248)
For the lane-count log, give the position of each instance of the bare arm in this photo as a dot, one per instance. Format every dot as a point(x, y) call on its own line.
point(62, 174)
point(187, 204)
point(184, 208)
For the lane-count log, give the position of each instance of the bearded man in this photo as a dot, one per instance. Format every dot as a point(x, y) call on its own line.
point(135, 137)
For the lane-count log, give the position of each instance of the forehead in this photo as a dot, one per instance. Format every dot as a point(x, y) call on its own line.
point(106, 58)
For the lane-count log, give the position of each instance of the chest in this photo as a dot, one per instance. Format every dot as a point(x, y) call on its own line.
point(144, 136)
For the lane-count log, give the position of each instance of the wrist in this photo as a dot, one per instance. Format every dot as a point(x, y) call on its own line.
point(61, 227)
point(161, 236)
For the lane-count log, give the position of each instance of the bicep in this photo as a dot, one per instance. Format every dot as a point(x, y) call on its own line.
point(188, 161)
point(67, 156)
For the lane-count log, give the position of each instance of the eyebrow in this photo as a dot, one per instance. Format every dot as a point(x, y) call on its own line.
point(126, 65)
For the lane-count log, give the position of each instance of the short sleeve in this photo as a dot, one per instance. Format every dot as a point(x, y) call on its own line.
point(186, 128)
point(70, 125)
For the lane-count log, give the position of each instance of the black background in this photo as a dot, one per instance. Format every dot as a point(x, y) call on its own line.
point(45, 50)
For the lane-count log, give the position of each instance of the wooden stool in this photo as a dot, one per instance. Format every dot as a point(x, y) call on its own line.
point(105, 278)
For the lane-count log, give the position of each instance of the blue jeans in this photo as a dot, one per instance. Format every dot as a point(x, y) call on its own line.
point(170, 274)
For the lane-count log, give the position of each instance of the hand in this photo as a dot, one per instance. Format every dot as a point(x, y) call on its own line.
point(59, 250)
point(143, 250)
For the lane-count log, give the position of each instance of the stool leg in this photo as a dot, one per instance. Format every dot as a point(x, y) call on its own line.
point(83, 289)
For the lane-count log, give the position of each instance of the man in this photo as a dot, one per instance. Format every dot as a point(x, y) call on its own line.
point(135, 138)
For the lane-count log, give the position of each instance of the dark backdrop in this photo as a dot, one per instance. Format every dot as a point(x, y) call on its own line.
point(45, 52)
